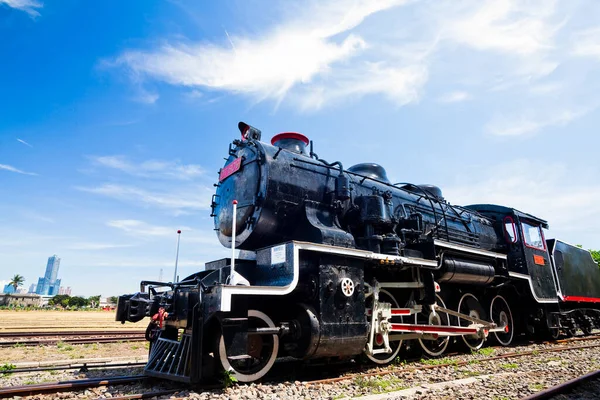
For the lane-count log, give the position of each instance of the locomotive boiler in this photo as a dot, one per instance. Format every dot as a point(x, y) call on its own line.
point(340, 263)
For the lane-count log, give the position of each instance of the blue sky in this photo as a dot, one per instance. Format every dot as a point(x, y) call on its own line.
point(115, 116)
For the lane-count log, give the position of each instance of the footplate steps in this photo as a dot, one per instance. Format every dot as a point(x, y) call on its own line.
point(170, 359)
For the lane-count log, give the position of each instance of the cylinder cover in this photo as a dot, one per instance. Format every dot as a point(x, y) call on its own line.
point(466, 271)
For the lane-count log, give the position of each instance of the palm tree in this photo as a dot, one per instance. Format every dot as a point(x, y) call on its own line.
point(17, 281)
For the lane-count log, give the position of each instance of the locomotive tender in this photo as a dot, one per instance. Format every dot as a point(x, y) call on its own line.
point(337, 263)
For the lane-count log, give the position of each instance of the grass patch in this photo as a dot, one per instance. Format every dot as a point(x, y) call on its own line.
point(64, 346)
point(438, 361)
point(485, 351)
point(509, 365)
point(399, 361)
point(7, 367)
point(379, 384)
point(17, 345)
point(135, 347)
point(228, 379)
point(537, 386)
point(470, 373)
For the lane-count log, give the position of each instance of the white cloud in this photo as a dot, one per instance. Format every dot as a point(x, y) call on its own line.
point(297, 53)
point(13, 169)
point(29, 6)
point(524, 125)
point(150, 168)
point(586, 43)
point(454, 97)
point(400, 85)
point(509, 26)
point(24, 142)
point(197, 198)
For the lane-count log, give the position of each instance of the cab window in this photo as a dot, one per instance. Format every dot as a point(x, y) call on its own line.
point(510, 230)
point(533, 236)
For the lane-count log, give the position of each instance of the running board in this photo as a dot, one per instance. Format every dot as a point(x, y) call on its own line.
point(170, 359)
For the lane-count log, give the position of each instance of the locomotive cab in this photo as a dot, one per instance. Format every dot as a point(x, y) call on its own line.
point(526, 248)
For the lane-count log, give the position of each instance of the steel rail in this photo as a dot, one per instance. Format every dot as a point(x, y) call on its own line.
point(452, 364)
point(30, 390)
point(82, 367)
point(564, 387)
point(70, 333)
point(41, 342)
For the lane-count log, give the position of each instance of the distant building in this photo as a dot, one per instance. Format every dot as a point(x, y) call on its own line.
point(48, 285)
point(32, 288)
point(8, 289)
point(65, 290)
point(21, 300)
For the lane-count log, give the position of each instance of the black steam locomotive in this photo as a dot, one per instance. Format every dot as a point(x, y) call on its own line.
point(337, 263)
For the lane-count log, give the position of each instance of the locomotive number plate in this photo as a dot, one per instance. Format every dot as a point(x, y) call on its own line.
point(539, 260)
point(278, 254)
point(230, 169)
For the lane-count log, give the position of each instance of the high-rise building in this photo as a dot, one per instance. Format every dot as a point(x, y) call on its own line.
point(48, 285)
point(9, 289)
point(32, 288)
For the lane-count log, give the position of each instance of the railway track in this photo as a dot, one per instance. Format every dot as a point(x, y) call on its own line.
point(79, 385)
point(8, 339)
